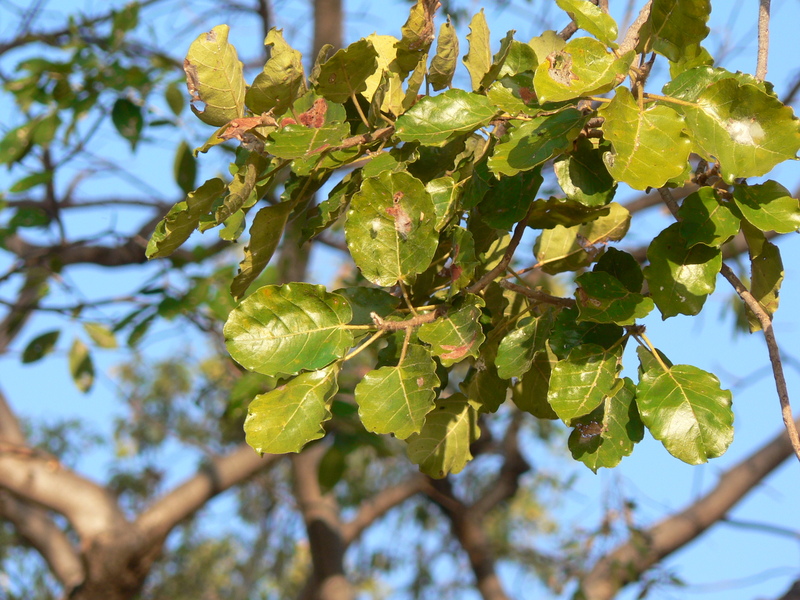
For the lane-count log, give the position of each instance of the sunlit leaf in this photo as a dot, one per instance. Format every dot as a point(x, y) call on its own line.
point(768, 206)
point(282, 329)
point(584, 67)
point(214, 78)
point(456, 335)
point(442, 446)
point(687, 411)
point(674, 26)
point(580, 382)
point(281, 81)
point(100, 334)
point(590, 18)
point(639, 138)
point(396, 399)
point(517, 349)
point(390, 228)
point(416, 35)
point(435, 118)
point(81, 366)
point(291, 415)
point(478, 59)
point(533, 142)
point(345, 73)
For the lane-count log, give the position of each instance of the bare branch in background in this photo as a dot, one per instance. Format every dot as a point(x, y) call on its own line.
point(763, 39)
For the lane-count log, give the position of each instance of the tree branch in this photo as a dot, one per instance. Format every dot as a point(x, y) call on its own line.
point(763, 39)
point(374, 508)
point(321, 516)
point(506, 484)
point(212, 479)
point(630, 560)
point(519, 230)
point(35, 526)
point(632, 35)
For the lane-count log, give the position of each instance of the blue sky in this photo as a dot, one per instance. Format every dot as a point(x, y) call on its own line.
point(726, 556)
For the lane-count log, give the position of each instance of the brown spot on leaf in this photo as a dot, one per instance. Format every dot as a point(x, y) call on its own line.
point(397, 197)
point(402, 221)
point(589, 430)
point(420, 381)
point(288, 121)
point(527, 95)
point(457, 352)
point(192, 81)
point(237, 128)
point(314, 116)
point(560, 69)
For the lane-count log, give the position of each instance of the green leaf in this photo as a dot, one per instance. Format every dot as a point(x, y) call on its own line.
point(569, 333)
point(346, 72)
point(365, 301)
point(81, 366)
point(602, 298)
point(584, 67)
point(240, 191)
point(478, 59)
point(291, 415)
point(283, 329)
point(127, 118)
point(583, 176)
point(647, 360)
point(569, 248)
point(546, 214)
point(282, 79)
point(390, 228)
point(680, 277)
point(639, 138)
point(607, 435)
point(396, 399)
point(233, 227)
point(743, 127)
point(31, 181)
point(485, 390)
point(517, 349)
point(183, 218)
point(265, 235)
point(298, 141)
point(509, 199)
point(623, 267)
point(435, 118)
point(185, 168)
point(514, 94)
point(16, 143)
point(444, 194)
point(520, 58)
point(590, 18)
point(579, 383)
point(443, 65)
point(416, 36)
point(327, 212)
point(464, 261)
point(101, 335)
point(546, 44)
point(690, 84)
point(174, 98)
point(768, 206)
point(214, 78)
point(766, 273)
point(687, 411)
point(536, 141)
point(40, 346)
point(456, 335)
point(530, 393)
point(442, 447)
point(674, 26)
point(498, 61)
point(706, 220)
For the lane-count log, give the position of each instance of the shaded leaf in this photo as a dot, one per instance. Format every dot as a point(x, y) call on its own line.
point(517, 349)
point(687, 411)
point(281, 81)
point(174, 97)
point(345, 73)
point(530, 393)
point(443, 65)
point(580, 382)
point(507, 201)
point(766, 273)
point(265, 235)
point(282, 329)
point(569, 248)
point(602, 298)
point(533, 142)
point(416, 36)
point(298, 141)
point(185, 168)
point(623, 267)
point(40, 346)
point(606, 435)
point(706, 220)
point(291, 415)
point(442, 446)
point(639, 138)
point(182, 219)
point(396, 399)
point(583, 175)
point(680, 278)
point(444, 194)
point(568, 333)
point(435, 118)
point(674, 26)
point(127, 118)
point(363, 301)
point(390, 228)
point(214, 78)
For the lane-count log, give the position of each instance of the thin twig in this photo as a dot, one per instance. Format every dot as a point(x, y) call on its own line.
point(763, 39)
point(538, 295)
point(672, 205)
point(501, 266)
point(774, 353)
